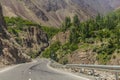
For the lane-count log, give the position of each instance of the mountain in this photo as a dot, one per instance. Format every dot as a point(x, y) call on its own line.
point(19, 40)
point(95, 41)
point(20, 33)
point(53, 12)
point(115, 3)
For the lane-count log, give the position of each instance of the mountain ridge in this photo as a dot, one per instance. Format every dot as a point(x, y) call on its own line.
point(53, 12)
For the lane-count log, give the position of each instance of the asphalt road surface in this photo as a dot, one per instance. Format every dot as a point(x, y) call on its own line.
point(37, 70)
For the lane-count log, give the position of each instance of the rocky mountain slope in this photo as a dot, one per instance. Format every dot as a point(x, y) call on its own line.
point(53, 12)
point(20, 36)
point(18, 39)
point(115, 3)
point(95, 41)
point(32, 39)
point(10, 52)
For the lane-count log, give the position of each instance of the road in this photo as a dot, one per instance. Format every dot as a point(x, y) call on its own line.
point(37, 70)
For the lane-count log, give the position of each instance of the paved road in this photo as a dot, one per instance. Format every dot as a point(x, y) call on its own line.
point(39, 70)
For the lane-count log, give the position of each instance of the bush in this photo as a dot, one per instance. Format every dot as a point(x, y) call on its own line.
point(50, 31)
point(50, 52)
point(103, 58)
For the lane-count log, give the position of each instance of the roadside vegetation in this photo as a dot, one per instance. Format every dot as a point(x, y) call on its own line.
point(103, 33)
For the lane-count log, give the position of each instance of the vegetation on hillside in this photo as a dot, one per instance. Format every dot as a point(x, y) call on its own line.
point(51, 31)
point(17, 24)
point(103, 33)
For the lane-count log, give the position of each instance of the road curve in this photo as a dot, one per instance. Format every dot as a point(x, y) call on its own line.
point(39, 70)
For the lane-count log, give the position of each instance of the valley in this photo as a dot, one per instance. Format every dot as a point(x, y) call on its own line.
point(67, 31)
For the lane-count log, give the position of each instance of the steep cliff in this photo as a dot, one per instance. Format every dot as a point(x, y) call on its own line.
point(28, 35)
point(20, 39)
point(2, 24)
point(33, 40)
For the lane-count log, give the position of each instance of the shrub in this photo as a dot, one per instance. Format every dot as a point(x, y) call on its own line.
point(51, 31)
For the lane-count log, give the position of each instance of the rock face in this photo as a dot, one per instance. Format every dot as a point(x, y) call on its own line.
point(62, 37)
point(53, 12)
point(82, 57)
point(13, 48)
point(2, 24)
point(10, 52)
point(33, 40)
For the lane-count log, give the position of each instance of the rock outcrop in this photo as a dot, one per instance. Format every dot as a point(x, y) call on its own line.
point(2, 25)
point(33, 40)
point(82, 57)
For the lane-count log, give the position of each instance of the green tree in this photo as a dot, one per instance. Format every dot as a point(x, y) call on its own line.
point(76, 22)
point(66, 25)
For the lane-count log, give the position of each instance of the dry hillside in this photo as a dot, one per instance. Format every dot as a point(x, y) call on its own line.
point(53, 12)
